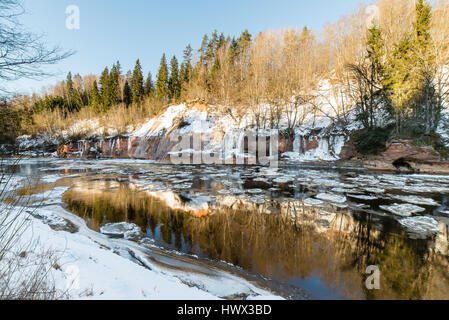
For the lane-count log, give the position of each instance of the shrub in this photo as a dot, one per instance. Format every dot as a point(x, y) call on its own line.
point(371, 141)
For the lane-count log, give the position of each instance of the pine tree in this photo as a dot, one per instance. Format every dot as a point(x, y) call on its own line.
point(216, 67)
point(137, 83)
point(95, 100)
point(105, 88)
point(162, 80)
point(127, 94)
point(203, 50)
point(244, 41)
point(210, 55)
point(220, 42)
point(422, 23)
point(400, 81)
point(114, 85)
point(187, 64)
point(174, 86)
point(233, 51)
point(69, 95)
point(427, 110)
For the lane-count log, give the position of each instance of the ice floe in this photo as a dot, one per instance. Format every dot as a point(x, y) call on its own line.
point(255, 191)
point(402, 209)
point(420, 226)
point(283, 180)
point(312, 202)
point(362, 197)
point(129, 231)
point(416, 200)
point(331, 197)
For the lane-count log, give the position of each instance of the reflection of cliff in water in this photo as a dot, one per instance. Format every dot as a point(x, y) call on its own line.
point(286, 241)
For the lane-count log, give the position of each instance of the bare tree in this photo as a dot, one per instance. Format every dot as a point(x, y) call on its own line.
point(22, 53)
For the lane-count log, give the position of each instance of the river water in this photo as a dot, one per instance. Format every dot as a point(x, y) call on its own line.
point(300, 229)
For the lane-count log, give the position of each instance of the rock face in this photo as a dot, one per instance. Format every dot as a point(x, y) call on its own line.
point(210, 132)
point(205, 130)
point(401, 155)
point(348, 151)
point(403, 149)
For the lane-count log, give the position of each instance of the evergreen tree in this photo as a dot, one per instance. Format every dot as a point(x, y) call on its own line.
point(186, 67)
point(422, 23)
point(174, 85)
point(216, 68)
point(69, 95)
point(203, 50)
point(127, 94)
point(137, 83)
point(105, 88)
point(220, 42)
point(211, 47)
point(400, 82)
point(114, 85)
point(233, 51)
point(162, 80)
point(244, 41)
point(427, 110)
point(69, 83)
point(410, 77)
point(95, 100)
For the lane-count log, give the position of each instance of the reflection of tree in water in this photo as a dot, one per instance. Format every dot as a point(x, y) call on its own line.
point(288, 244)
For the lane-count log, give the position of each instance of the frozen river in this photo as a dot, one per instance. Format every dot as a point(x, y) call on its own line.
point(298, 232)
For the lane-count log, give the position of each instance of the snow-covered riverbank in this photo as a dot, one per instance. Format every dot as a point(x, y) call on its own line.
point(89, 265)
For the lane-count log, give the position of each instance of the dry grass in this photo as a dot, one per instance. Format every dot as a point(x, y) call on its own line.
point(118, 119)
point(25, 267)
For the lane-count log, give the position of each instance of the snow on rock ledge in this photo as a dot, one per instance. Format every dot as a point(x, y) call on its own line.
point(220, 132)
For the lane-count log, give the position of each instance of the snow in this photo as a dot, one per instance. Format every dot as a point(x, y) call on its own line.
point(362, 197)
point(417, 200)
point(312, 202)
point(156, 125)
point(329, 149)
point(129, 231)
point(92, 265)
point(101, 272)
point(420, 226)
point(225, 136)
point(331, 197)
point(255, 191)
point(404, 209)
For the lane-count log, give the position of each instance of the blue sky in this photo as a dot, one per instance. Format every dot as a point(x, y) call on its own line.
point(112, 30)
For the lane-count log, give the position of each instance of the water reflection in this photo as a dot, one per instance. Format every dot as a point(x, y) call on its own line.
point(323, 250)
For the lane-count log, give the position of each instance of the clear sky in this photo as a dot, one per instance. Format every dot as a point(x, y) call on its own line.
point(112, 30)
